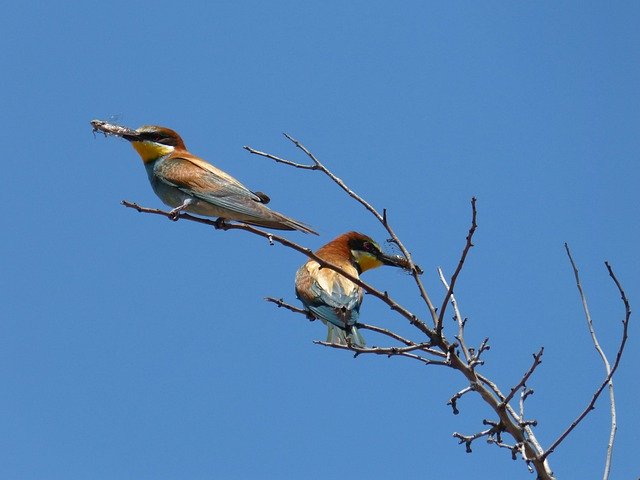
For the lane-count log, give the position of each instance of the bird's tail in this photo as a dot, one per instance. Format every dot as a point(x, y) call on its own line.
point(280, 222)
point(265, 217)
point(340, 336)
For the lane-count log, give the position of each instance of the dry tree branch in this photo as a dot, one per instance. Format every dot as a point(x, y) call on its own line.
point(607, 366)
point(468, 439)
point(317, 165)
point(508, 418)
point(523, 380)
point(623, 341)
point(457, 317)
point(388, 351)
point(463, 257)
point(451, 359)
point(224, 225)
point(445, 352)
point(453, 401)
point(410, 346)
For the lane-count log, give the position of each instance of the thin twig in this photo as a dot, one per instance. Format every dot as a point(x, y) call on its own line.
point(453, 401)
point(525, 377)
point(458, 317)
point(389, 352)
point(280, 160)
point(605, 361)
point(454, 278)
point(475, 354)
point(425, 347)
point(518, 418)
point(523, 396)
point(623, 341)
point(495, 430)
point(282, 304)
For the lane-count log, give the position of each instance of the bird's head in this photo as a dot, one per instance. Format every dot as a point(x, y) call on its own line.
point(152, 142)
point(367, 254)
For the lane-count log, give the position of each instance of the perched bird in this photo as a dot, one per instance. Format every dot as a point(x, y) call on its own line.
point(186, 182)
point(331, 297)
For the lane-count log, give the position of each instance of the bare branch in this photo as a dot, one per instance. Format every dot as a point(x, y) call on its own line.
point(362, 326)
point(282, 304)
point(453, 401)
point(475, 355)
point(457, 317)
point(271, 237)
point(280, 160)
point(523, 396)
point(446, 353)
point(454, 278)
point(388, 351)
point(525, 377)
point(605, 361)
point(317, 165)
point(530, 445)
point(467, 439)
point(492, 434)
point(518, 418)
point(623, 341)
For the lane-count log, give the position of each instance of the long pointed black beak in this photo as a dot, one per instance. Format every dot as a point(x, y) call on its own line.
point(397, 261)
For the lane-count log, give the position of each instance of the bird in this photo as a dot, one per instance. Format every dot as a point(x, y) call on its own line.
point(188, 183)
point(331, 297)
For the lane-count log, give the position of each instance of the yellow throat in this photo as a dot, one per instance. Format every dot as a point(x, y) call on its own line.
point(150, 151)
point(366, 260)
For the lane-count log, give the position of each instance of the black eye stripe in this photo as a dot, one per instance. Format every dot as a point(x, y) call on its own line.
point(167, 141)
point(159, 138)
point(370, 247)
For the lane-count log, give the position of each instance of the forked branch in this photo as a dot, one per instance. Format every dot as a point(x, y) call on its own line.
point(623, 341)
point(437, 349)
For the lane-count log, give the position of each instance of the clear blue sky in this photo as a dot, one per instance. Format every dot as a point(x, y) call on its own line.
point(136, 348)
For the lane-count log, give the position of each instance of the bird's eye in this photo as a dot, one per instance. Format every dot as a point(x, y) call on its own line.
point(368, 247)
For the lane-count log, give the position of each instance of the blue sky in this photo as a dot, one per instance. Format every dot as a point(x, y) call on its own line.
point(137, 348)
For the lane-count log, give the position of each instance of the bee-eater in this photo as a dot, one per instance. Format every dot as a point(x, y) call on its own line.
point(186, 182)
point(331, 297)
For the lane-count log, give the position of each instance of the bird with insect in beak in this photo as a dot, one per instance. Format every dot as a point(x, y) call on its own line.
point(333, 298)
point(188, 183)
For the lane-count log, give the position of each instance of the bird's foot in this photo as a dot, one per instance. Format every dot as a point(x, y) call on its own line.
point(220, 224)
point(175, 213)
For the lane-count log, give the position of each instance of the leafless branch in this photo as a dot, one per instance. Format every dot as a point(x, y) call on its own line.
point(271, 237)
point(438, 350)
point(475, 354)
point(492, 434)
point(457, 317)
point(605, 361)
point(317, 165)
point(454, 277)
point(453, 401)
point(425, 347)
point(506, 414)
point(280, 160)
point(280, 303)
point(388, 351)
point(525, 377)
point(523, 396)
point(623, 341)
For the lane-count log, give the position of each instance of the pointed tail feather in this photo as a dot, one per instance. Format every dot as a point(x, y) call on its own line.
point(356, 337)
point(339, 336)
point(280, 222)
